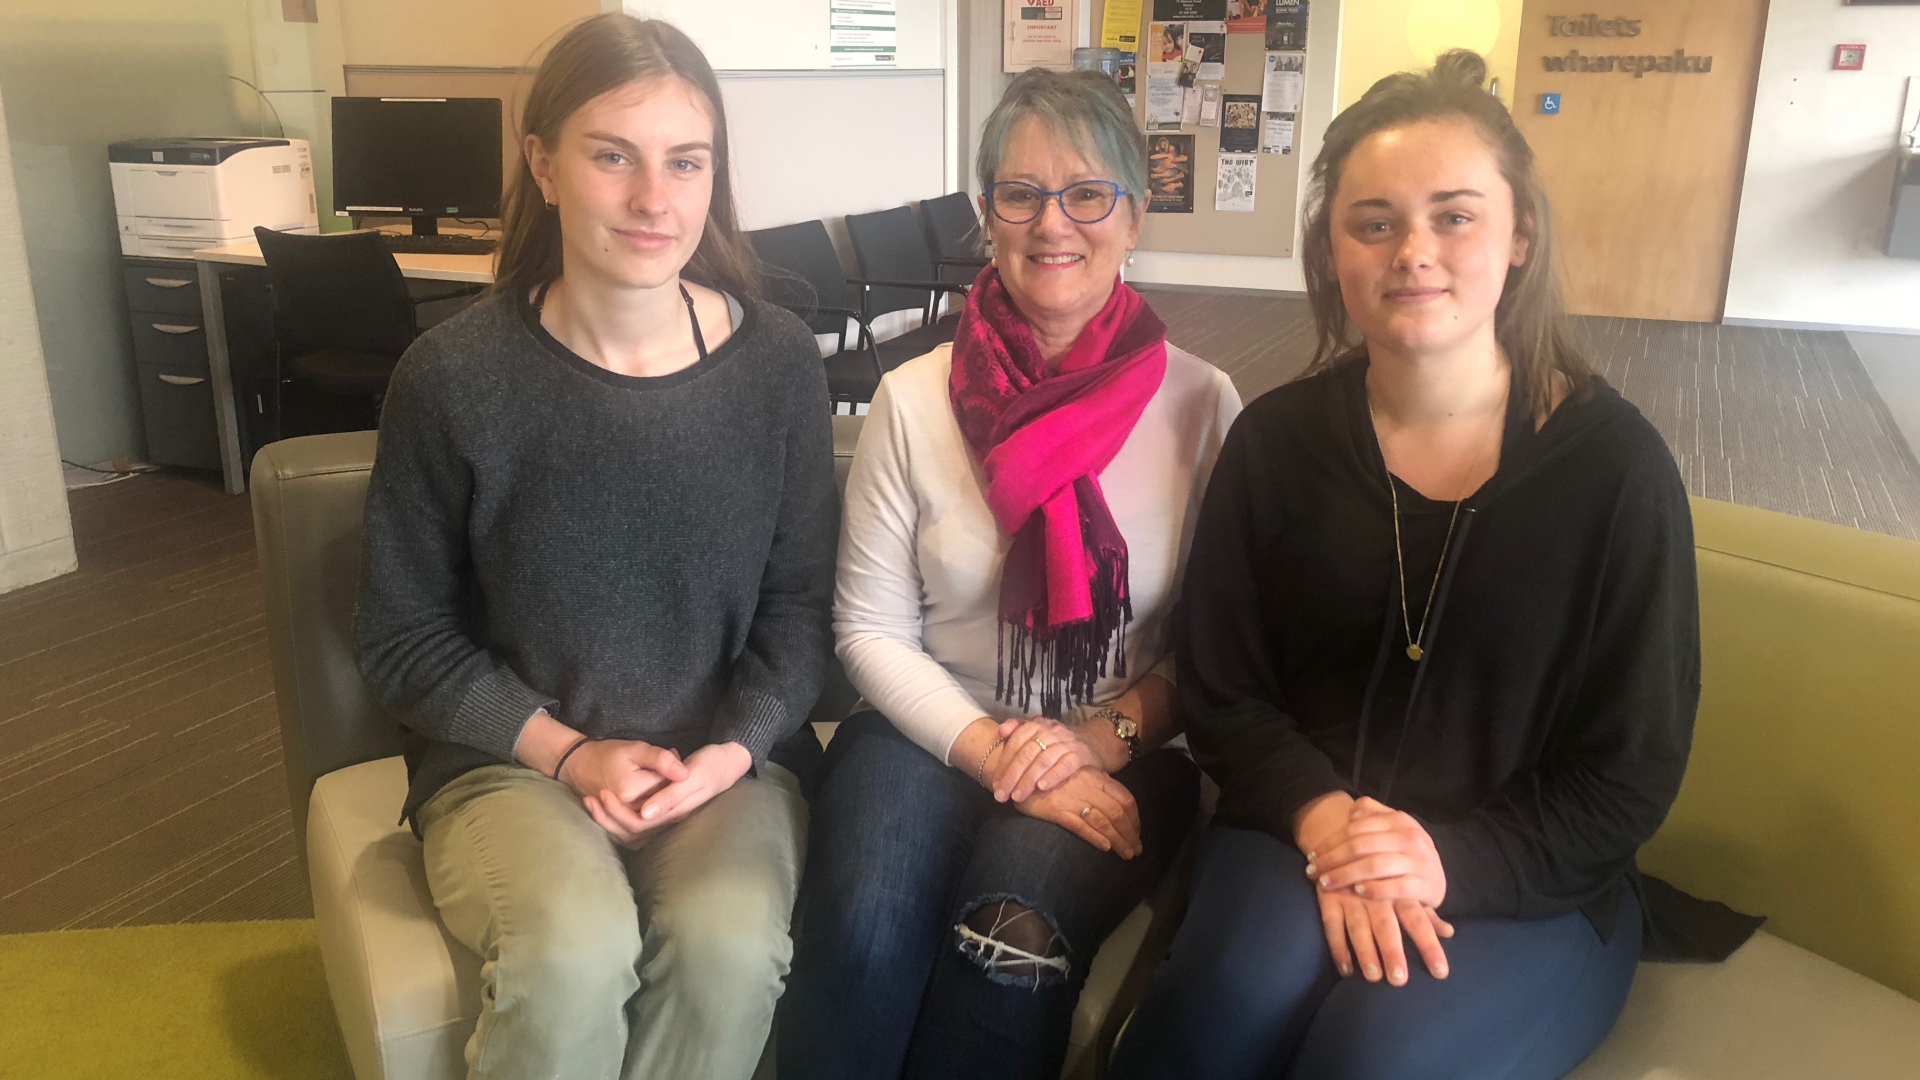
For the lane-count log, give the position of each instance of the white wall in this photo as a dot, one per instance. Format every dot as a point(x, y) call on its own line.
point(1253, 272)
point(811, 145)
point(788, 35)
point(36, 536)
point(78, 75)
point(1810, 245)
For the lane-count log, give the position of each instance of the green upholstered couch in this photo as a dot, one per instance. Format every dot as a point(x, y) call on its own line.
point(1802, 802)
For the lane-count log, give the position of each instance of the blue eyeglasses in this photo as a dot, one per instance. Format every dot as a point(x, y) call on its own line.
point(1087, 202)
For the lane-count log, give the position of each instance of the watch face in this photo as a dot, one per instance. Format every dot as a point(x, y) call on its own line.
point(1126, 728)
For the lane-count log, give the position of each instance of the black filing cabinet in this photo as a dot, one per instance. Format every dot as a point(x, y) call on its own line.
point(170, 362)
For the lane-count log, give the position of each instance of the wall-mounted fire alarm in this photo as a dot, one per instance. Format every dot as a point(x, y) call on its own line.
point(1849, 57)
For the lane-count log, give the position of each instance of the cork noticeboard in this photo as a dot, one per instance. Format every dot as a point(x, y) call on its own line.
point(1268, 230)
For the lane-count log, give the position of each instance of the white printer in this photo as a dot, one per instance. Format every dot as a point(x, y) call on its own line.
point(175, 196)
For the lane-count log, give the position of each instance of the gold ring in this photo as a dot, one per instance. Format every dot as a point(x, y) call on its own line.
point(1040, 743)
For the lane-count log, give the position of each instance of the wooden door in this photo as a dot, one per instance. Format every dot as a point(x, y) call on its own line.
point(1644, 158)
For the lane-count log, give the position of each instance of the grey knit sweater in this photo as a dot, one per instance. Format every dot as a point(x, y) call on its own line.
point(646, 558)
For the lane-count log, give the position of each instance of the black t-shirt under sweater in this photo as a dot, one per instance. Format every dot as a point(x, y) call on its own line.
point(646, 558)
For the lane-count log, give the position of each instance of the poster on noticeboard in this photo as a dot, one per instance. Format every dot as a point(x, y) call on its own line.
point(1239, 123)
point(1247, 16)
point(1169, 174)
point(1189, 10)
point(1286, 25)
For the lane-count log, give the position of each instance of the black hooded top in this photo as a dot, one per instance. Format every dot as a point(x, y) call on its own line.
point(1543, 735)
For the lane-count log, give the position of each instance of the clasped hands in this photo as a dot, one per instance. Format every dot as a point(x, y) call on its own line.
point(631, 789)
point(1377, 873)
point(1050, 771)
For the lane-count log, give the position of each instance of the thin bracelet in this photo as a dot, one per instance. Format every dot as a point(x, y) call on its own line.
point(558, 765)
point(985, 757)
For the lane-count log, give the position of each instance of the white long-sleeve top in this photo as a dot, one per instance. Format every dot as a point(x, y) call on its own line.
point(917, 598)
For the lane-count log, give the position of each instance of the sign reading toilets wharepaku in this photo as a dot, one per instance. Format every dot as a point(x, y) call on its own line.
point(1638, 65)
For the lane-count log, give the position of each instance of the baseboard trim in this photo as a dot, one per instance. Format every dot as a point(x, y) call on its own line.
point(41, 562)
point(1843, 328)
point(1217, 290)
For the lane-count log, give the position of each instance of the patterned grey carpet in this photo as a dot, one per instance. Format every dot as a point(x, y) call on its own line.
point(1783, 420)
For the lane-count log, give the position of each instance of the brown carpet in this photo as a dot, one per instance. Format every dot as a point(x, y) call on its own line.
point(140, 775)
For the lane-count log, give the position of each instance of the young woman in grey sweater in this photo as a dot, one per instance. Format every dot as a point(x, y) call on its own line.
point(599, 553)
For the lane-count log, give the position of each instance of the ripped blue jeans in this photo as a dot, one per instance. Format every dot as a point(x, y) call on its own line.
point(942, 934)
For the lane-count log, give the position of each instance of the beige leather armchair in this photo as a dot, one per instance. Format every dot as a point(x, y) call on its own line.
point(406, 994)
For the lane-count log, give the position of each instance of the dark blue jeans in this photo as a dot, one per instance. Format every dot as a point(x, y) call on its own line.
point(1249, 990)
point(902, 850)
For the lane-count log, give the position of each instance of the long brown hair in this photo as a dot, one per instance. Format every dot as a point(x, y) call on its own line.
point(600, 54)
point(1530, 320)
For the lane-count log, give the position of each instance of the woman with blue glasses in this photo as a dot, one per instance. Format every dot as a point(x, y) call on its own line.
point(1016, 523)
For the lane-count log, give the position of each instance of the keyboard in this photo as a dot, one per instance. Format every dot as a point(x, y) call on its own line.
point(442, 244)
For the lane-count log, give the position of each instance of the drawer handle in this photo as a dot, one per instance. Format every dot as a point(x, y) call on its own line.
point(182, 380)
point(174, 328)
point(171, 225)
point(169, 283)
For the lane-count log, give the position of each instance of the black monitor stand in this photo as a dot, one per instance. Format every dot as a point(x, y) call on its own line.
point(426, 225)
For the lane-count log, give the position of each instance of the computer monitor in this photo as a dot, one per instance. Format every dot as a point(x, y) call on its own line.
point(423, 158)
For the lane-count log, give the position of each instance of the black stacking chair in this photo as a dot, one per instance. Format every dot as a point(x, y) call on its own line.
point(342, 315)
point(801, 272)
point(954, 237)
point(896, 274)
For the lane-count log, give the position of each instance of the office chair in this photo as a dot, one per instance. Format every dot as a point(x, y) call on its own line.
point(954, 236)
point(801, 272)
point(897, 274)
point(342, 315)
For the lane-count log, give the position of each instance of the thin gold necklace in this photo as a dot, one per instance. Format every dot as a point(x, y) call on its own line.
point(1414, 650)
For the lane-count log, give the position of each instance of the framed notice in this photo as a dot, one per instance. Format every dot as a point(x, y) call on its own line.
point(1169, 174)
point(1037, 35)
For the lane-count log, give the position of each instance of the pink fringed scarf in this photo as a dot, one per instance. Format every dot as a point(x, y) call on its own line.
point(1041, 440)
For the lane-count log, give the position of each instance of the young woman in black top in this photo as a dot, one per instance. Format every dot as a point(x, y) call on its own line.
point(1441, 650)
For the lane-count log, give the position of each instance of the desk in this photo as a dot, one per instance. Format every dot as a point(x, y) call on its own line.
point(212, 262)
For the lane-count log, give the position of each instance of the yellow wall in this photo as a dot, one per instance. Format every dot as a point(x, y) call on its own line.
point(1380, 37)
point(453, 33)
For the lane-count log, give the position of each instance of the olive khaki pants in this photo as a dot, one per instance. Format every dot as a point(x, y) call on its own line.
point(598, 962)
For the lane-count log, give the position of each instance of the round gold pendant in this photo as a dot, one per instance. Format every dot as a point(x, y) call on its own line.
point(1414, 653)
